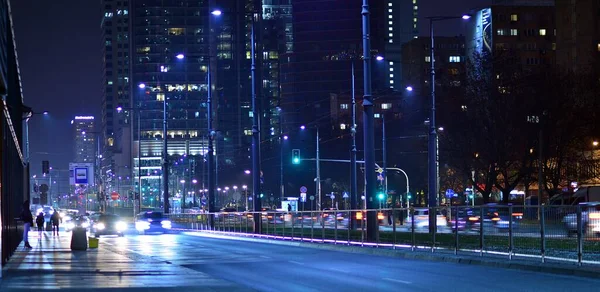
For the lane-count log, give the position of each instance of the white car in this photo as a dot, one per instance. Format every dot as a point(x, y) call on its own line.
point(422, 219)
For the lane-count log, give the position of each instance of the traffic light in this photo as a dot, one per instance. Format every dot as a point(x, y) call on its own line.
point(296, 156)
point(380, 195)
point(262, 195)
point(45, 167)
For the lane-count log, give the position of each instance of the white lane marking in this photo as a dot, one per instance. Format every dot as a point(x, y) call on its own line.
point(264, 257)
point(297, 263)
point(397, 281)
point(339, 270)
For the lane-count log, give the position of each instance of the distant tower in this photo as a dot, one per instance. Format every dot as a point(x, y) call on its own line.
point(85, 139)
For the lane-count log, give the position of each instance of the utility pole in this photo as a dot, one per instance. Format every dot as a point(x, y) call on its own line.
point(165, 175)
point(368, 123)
point(353, 182)
point(318, 179)
point(256, 172)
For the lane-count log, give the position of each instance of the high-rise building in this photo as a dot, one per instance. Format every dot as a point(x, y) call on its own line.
point(401, 27)
point(114, 127)
point(578, 34)
point(85, 139)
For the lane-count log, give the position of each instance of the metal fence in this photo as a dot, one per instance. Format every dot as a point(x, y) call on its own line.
point(560, 233)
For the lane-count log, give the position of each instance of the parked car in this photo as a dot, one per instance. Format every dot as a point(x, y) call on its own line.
point(107, 224)
point(152, 222)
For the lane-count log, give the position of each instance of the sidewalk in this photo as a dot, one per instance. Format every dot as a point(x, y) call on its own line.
point(51, 264)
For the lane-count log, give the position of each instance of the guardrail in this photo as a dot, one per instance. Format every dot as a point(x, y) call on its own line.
point(561, 233)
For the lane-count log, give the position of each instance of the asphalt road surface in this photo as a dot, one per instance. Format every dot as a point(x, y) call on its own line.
point(270, 267)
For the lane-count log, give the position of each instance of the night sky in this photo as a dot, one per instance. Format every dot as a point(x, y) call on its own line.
point(58, 43)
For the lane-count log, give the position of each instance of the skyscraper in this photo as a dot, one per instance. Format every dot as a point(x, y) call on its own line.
point(85, 139)
point(114, 127)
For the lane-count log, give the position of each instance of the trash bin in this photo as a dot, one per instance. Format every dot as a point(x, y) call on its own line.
point(79, 239)
point(93, 242)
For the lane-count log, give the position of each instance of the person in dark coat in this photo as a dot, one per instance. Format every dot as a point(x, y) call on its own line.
point(27, 218)
point(39, 220)
point(55, 220)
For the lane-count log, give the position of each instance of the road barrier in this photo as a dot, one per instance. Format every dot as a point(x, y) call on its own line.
point(549, 233)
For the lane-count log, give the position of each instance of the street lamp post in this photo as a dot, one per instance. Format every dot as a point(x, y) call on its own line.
point(353, 179)
point(256, 172)
point(368, 124)
point(432, 143)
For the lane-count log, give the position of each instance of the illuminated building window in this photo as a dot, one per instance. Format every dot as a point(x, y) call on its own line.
point(111, 141)
point(250, 114)
point(377, 116)
point(500, 31)
point(390, 22)
point(554, 46)
point(391, 63)
point(391, 75)
point(427, 59)
point(390, 10)
point(514, 17)
point(390, 34)
point(542, 31)
point(176, 31)
point(248, 132)
point(391, 81)
point(390, 28)
point(390, 16)
point(390, 4)
point(342, 126)
point(344, 106)
point(454, 59)
point(160, 96)
point(391, 41)
point(110, 83)
point(514, 31)
point(386, 106)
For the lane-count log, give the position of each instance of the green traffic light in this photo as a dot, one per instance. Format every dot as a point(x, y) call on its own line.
point(381, 196)
point(296, 160)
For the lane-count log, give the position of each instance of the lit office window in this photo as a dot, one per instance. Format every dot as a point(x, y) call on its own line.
point(454, 59)
point(542, 31)
point(514, 31)
point(427, 59)
point(390, 4)
point(386, 106)
point(514, 17)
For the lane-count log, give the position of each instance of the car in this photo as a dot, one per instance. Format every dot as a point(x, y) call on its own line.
point(152, 221)
point(77, 221)
point(422, 219)
point(107, 224)
point(590, 220)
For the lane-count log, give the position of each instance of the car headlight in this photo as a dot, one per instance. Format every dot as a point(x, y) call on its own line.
point(70, 225)
point(166, 224)
point(85, 224)
point(121, 226)
point(100, 226)
point(142, 225)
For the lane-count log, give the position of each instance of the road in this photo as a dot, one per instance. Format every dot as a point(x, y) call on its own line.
point(269, 267)
point(189, 261)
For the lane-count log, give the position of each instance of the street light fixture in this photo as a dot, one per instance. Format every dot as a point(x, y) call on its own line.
point(433, 177)
point(142, 85)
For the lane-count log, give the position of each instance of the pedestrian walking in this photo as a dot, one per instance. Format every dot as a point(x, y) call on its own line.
point(27, 218)
point(55, 220)
point(39, 220)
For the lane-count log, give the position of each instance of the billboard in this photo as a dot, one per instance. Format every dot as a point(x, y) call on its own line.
point(81, 174)
point(479, 37)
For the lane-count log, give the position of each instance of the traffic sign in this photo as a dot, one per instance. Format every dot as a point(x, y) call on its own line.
point(380, 170)
point(303, 189)
point(114, 196)
point(345, 196)
point(332, 196)
point(303, 197)
point(312, 198)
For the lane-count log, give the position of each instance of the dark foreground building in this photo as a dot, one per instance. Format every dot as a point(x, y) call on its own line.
point(13, 174)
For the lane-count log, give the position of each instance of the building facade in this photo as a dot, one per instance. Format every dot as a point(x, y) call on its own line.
point(524, 29)
point(115, 127)
point(578, 34)
point(84, 136)
point(14, 167)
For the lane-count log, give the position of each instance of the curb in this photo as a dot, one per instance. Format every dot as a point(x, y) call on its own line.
point(548, 268)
